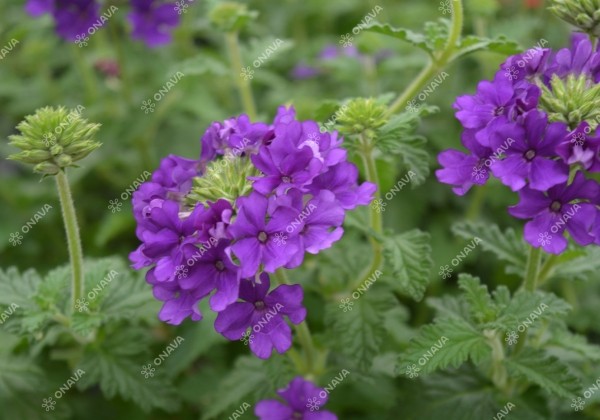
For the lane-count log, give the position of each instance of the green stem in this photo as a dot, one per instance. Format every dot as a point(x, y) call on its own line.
point(73, 241)
point(547, 268)
point(435, 64)
point(532, 269)
point(235, 56)
point(499, 374)
point(304, 336)
point(376, 220)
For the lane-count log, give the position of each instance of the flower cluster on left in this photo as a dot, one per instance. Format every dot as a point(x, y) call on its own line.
point(258, 199)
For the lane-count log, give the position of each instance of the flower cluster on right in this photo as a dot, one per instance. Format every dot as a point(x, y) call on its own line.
point(534, 127)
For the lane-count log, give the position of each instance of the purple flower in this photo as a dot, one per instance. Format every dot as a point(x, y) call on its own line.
point(571, 207)
point(530, 151)
point(579, 59)
point(462, 170)
point(341, 180)
point(263, 312)
point(259, 241)
point(580, 147)
point(303, 400)
point(303, 71)
point(73, 17)
point(152, 21)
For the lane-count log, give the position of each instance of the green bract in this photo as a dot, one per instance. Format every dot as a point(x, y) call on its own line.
point(584, 14)
point(53, 139)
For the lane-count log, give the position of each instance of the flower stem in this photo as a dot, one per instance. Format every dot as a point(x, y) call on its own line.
point(243, 85)
point(304, 336)
point(532, 269)
point(73, 240)
point(376, 220)
point(436, 63)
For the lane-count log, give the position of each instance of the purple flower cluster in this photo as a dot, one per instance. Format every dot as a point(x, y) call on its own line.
point(534, 129)
point(152, 20)
point(275, 192)
point(303, 401)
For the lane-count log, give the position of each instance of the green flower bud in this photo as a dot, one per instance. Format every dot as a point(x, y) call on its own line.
point(53, 139)
point(231, 17)
point(584, 14)
point(571, 100)
point(362, 115)
point(225, 178)
point(46, 168)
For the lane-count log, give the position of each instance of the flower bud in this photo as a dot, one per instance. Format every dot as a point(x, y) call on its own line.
point(362, 115)
point(231, 17)
point(53, 139)
point(584, 14)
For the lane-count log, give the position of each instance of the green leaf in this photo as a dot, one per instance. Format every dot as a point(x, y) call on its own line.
point(201, 65)
point(408, 256)
point(16, 288)
point(447, 342)
point(248, 376)
point(398, 137)
point(532, 307)
point(358, 333)
point(535, 366)
point(116, 364)
point(500, 45)
point(574, 343)
point(506, 245)
point(481, 305)
point(577, 264)
point(434, 38)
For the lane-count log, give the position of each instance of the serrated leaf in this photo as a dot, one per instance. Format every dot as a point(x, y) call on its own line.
point(506, 245)
point(536, 367)
point(579, 264)
point(434, 38)
point(201, 65)
point(408, 256)
point(500, 45)
point(358, 333)
point(574, 343)
point(447, 342)
point(531, 307)
point(397, 137)
point(247, 375)
point(481, 305)
point(18, 288)
point(116, 363)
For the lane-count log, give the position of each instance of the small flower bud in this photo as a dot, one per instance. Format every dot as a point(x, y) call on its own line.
point(53, 139)
point(231, 17)
point(584, 14)
point(362, 115)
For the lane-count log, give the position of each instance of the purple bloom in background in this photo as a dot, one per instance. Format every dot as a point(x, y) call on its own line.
point(304, 71)
point(563, 207)
point(73, 17)
point(529, 156)
point(303, 400)
point(152, 21)
point(263, 312)
point(579, 59)
point(261, 242)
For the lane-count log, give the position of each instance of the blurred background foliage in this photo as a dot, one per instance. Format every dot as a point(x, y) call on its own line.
point(45, 70)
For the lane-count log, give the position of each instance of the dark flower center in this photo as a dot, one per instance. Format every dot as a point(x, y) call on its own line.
point(259, 305)
point(286, 179)
point(555, 206)
point(530, 154)
point(219, 265)
point(499, 111)
point(262, 237)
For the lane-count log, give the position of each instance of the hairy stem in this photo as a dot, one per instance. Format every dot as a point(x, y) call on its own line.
point(436, 63)
point(532, 269)
point(376, 220)
point(73, 240)
point(304, 336)
point(243, 85)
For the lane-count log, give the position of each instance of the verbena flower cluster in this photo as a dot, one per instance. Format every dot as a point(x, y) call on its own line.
point(258, 199)
point(303, 400)
point(534, 127)
point(151, 20)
